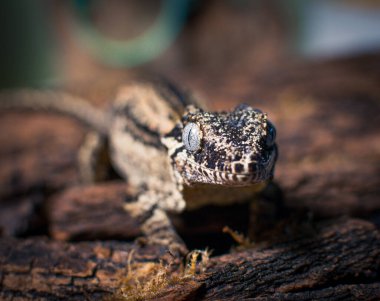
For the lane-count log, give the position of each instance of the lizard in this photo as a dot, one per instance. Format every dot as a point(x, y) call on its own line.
point(169, 148)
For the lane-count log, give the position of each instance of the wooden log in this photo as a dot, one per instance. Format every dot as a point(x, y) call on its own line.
point(46, 270)
point(342, 260)
point(92, 212)
point(38, 157)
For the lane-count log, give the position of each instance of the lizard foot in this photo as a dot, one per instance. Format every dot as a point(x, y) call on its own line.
point(158, 230)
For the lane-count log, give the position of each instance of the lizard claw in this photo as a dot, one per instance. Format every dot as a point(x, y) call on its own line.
point(171, 253)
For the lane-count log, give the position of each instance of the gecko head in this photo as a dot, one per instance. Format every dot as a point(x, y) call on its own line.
point(230, 148)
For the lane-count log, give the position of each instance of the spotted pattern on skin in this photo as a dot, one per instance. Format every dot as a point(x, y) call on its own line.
point(233, 147)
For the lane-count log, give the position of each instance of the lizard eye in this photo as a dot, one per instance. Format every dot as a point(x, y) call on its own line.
point(191, 137)
point(271, 135)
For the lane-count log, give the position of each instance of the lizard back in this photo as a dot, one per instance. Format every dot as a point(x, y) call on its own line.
point(142, 113)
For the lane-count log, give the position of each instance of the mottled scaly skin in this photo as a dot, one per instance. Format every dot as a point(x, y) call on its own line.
point(142, 114)
point(144, 129)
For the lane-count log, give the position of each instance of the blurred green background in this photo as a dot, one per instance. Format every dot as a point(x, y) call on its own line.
point(47, 43)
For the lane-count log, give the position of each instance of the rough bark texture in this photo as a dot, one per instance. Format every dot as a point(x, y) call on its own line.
point(340, 261)
point(95, 212)
point(41, 269)
point(35, 162)
point(328, 117)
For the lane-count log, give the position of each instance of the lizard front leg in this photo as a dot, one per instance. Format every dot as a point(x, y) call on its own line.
point(158, 229)
point(156, 225)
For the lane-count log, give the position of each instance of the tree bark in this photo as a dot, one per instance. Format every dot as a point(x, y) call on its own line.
point(340, 261)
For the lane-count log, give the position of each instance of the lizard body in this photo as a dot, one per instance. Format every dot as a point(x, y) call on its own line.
point(172, 152)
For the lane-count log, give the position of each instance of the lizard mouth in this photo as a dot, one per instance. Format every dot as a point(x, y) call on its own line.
point(251, 172)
